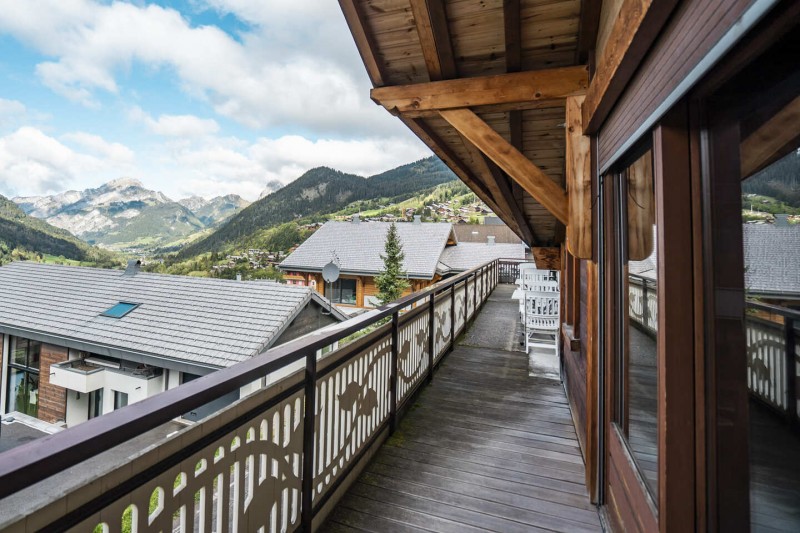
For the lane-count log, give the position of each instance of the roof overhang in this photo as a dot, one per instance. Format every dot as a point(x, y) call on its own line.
point(486, 93)
point(157, 360)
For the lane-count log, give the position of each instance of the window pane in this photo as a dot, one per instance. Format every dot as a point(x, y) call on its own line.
point(23, 392)
point(15, 388)
point(120, 399)
point(637, 369)
point(19, 351)
point(34, 351)
point(96, 403)
point(348, 288)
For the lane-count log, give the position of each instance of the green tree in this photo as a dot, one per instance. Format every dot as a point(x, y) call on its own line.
point(391, 281)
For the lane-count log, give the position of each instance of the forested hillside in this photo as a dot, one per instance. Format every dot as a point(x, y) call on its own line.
point(22, 236)
point(780, 180)
point(320, 191)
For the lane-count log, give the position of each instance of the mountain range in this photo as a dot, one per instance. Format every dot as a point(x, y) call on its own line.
point(23, 234)
point(123, 213)
point(318, 192)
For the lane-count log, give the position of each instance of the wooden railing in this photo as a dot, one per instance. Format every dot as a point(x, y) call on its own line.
point(773, 358)
point(643, 302)
point(509, 270)
point(278, 459)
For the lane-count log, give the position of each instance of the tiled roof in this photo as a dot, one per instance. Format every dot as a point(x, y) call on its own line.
point(210, 322)
point(359, 247)
point(481, 232)
point(772, 259)
point(467, 255)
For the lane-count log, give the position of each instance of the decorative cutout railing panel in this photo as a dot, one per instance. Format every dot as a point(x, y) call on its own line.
point(412, 353)
point(272, 461)
point(461, 314)
point(643, 302)
point(352, 403)
point(443, 325)
point(245, 480)
point(769, 369)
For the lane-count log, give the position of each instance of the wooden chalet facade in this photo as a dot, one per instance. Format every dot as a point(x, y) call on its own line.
point(617, 130)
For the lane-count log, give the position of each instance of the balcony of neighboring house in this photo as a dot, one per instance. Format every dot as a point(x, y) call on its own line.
point(425, 417)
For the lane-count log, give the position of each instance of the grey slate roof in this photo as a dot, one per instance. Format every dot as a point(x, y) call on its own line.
point(359, 247)
point(468, 255)
point(772, 259)
point(207, 322)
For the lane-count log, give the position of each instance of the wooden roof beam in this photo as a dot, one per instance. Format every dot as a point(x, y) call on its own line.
point(508, 89)
point(635, 29)
point(498, 186)
point(430, 18)
point(772, 140)
point(588, 28)
point(515, 164)
point(429, 137)
point(364, 41)
point(512, 25)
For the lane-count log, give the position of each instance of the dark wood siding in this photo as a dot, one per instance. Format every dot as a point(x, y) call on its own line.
point(575, 367)
point(695, 28)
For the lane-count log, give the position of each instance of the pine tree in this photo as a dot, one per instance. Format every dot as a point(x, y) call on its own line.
point(391, 281)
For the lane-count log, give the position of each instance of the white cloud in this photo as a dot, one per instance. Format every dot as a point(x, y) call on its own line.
point(176, 125)
point(11, 108)
point(296, 66)
point(247, 171)
point(32, 162)
point(110, 151)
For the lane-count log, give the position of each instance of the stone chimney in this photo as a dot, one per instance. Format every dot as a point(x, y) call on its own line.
point(356, 219)
point(490, 240)
point(133, 267)
point(782, 221)
point(417, 219)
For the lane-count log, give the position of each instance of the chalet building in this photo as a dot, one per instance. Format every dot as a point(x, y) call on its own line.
point(81, 342)
point(481, 232)
point(613, 137)
point(431, 250)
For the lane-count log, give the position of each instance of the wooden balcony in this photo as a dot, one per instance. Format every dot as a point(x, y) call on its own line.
point(482, 445)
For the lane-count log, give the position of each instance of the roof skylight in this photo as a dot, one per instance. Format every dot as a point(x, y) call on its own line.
point(119, 310)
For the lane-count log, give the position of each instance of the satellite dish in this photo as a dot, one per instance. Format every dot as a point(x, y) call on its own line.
point(330, 272)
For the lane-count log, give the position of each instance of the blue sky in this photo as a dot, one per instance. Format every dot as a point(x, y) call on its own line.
point(203, 97)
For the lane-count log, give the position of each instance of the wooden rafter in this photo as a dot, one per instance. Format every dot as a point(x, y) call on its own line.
point(498, 186)
point(636, 27)
point(588, 28)
point(512, 25)
point(512, 161)
point(515, 90)
point(429, 137)
point(772, 140)
point(364, 41)
point(434, 36)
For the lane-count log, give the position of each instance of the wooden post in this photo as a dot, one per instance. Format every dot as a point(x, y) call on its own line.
point(431, 336)
point(474, 295)
point(791, 370)
point(309, 416)
point(466, 302)
point(452, 316)
point(393, 375)
point(644, 300)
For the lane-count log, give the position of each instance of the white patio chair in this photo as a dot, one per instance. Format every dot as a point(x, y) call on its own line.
point(542, 320)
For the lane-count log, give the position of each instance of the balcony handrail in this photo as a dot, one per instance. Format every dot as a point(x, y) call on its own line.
point(24, 466)
point(774, 309)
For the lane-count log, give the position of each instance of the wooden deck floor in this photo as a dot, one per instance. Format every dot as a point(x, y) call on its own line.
point(485, 447)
